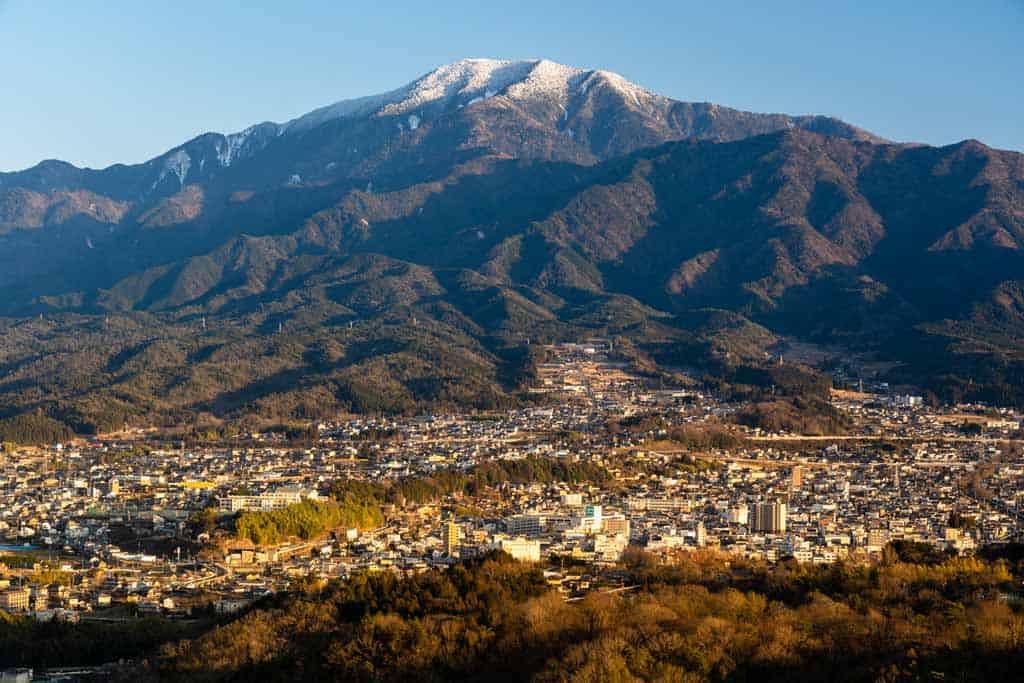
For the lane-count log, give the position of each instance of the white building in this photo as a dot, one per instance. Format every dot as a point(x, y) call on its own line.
point(521, 549)
point(739, 514)
point(268, 501)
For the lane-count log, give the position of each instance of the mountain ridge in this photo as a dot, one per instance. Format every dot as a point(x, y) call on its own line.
point(373, 262)
point(455, 73)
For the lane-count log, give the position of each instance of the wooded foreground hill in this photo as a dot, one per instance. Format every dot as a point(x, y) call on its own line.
point(920, 615)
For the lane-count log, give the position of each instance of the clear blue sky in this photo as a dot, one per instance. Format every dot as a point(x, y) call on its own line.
point(100, 81)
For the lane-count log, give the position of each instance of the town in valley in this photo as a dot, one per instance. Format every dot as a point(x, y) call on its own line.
point(603, 463)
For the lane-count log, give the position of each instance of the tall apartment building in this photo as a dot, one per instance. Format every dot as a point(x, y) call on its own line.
point(592, 518)
point(769, 518)
point(739, 514)
point(450, 536)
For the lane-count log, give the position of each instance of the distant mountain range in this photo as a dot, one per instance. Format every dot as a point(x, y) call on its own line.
point(402, 249)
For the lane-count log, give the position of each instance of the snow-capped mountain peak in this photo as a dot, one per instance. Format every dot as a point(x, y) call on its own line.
point(447, 88)
point(466, 82)
point(525, 108)
point(468, 78)
point(465, 79)
point(547, 80)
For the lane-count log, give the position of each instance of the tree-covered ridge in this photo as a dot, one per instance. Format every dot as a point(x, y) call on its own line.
point(472, 481)
point(306, 520)
point(34, 428)
point(704, 619)
point(357, 504)
point(25, 641)
point(424, 294)
point(918, 615)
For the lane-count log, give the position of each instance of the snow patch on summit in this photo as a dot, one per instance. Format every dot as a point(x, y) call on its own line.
point(547, 81)
point(627, 89)
point(362, 106)
point(468, 78)
point(467, 82)
point(465, 78)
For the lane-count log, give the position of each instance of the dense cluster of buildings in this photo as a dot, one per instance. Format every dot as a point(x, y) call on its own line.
point(116, 526)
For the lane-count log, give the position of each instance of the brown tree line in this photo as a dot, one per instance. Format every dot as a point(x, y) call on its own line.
point(703, 618)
